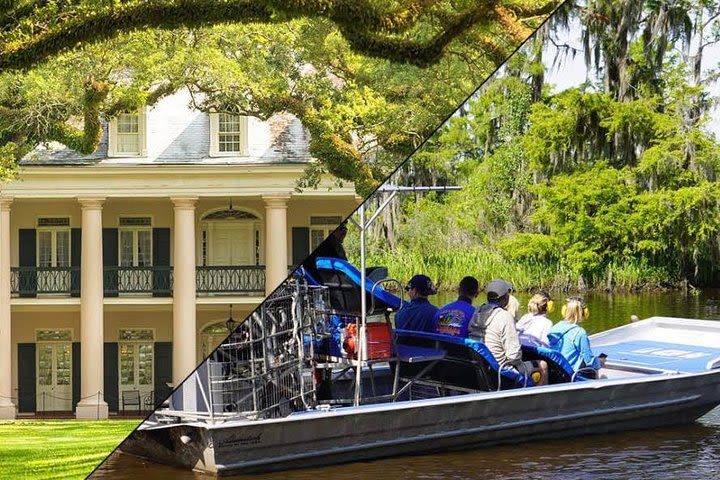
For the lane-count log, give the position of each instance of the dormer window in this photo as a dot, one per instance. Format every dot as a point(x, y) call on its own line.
point(127, 135)
point(228, 135)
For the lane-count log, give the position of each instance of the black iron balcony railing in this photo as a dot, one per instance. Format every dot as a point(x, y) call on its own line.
point(240, 279)
point(29, 281)
point(156, 280)
point(151, 280)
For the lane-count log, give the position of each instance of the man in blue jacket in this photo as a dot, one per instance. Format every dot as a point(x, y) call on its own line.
point(453, 318)
point(419, 313)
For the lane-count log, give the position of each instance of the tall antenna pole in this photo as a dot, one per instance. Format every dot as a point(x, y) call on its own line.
point(363, 308)
point(393, 190)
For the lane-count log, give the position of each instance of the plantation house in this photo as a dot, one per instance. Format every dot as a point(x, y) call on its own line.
point(120, 270)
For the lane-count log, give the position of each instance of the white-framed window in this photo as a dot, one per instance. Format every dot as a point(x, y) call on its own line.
point(321, 226)
point(135, 242)
point(134, 253)
point(53, 242)
point(228, 135)
point(127, 135)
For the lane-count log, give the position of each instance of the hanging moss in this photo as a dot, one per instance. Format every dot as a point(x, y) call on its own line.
point(343, 160)
point(85, 140)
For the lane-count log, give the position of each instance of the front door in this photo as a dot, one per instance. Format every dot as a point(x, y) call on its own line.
point(231, 243)
point(136, 354)
point(54, 376)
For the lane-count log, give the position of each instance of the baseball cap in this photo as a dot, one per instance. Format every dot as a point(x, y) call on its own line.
point(497, 288)
point(422, 284)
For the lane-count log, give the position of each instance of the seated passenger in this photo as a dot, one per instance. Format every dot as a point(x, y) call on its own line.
point(513, 306)
point(419, 313)
point(454, 318)
point(495, 327)
point(534, 326)
point(571, 340)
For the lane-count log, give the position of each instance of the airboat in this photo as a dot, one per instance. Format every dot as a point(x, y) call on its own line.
point(318, 376)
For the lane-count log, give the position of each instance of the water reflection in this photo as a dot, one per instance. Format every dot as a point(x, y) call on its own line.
point(678, 453)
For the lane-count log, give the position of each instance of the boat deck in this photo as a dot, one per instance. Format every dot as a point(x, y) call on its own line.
point(661, 345)
point(662, 356)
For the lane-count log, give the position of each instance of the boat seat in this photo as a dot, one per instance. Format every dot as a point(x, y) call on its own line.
point(343, 282)
point(302, 273)
point(559, 369)
point(414, 354)
point(467, 364)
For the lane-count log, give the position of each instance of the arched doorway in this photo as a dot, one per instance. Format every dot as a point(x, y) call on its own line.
point(211, 336)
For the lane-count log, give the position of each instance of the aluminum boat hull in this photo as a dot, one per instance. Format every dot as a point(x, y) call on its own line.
point(423, 426)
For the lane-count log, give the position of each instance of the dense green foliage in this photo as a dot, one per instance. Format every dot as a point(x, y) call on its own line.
point(358, 78)
point(411, 31)
point(58, 449)
point(610, 184)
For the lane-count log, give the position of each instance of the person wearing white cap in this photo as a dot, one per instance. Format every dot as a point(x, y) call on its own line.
point(495, 327)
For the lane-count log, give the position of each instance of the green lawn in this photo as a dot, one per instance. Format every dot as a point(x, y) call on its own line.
point(58, 448)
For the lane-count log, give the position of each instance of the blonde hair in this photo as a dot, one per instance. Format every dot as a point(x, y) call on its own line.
point(513, 307)
point(574, 311)
point(538, 304)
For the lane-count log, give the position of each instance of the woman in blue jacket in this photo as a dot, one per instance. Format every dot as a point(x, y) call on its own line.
point(571, 340)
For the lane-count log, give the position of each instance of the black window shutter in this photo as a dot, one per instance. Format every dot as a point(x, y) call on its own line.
point(26, 378)
point(300, 244)
point(110, 261)
point(76, 368)
point(75, 255)
point(110, 353)
point(163, 371)
point(161, 262)
point(27, 244)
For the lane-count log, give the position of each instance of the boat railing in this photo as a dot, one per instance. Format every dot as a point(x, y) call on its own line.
point(379, 283)
point(264, 368)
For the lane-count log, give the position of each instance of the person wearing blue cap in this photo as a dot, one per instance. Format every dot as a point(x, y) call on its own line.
point(418, 314)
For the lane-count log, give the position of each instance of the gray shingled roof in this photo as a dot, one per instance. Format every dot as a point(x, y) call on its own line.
point(177, 134)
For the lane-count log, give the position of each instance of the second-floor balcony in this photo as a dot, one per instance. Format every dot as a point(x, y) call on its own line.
point(140, 281)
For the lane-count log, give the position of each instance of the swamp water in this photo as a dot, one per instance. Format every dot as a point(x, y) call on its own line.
point(679, 453)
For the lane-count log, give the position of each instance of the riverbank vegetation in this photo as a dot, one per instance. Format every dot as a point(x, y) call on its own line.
point(608, 184)
point(56, 449)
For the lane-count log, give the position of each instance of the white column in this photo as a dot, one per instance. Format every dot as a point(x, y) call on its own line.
point(92, 403)
point(184, 356)
point(7, 407)
point(276, 250)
